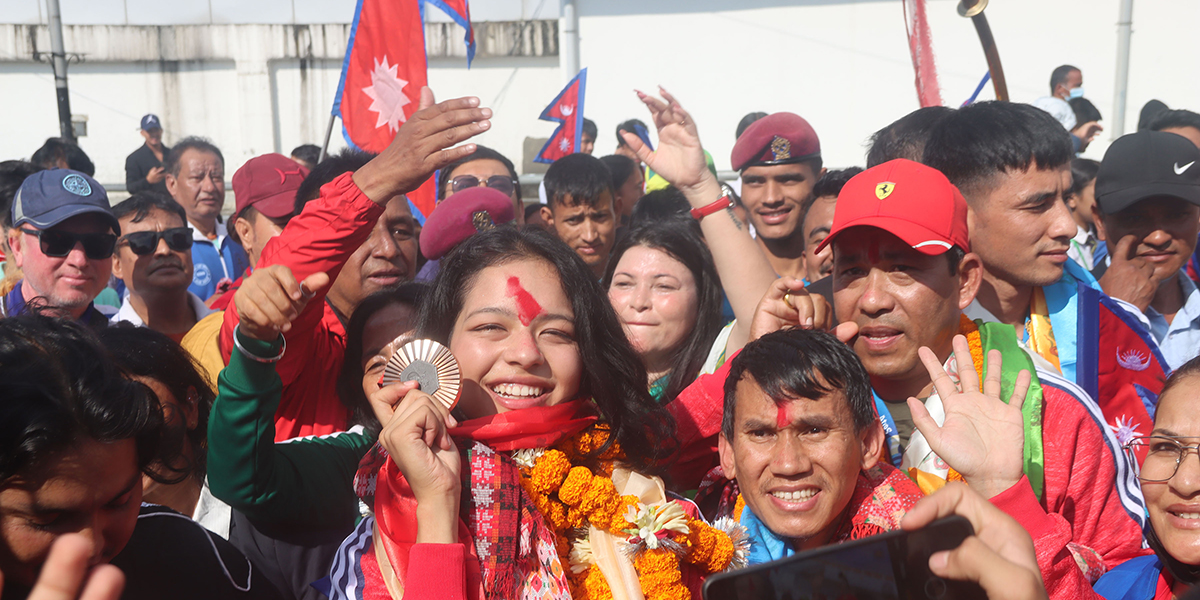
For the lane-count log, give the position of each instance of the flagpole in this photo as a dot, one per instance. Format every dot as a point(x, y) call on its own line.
point(568, 51)
point(328, 134)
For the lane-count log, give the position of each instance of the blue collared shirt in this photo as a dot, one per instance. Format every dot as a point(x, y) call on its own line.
point(1179, 340)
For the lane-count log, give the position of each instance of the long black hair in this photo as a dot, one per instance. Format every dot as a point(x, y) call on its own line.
point(59, 386)
point(349, 381)
point(613, 375)
point(143, 352)
point(680, 239)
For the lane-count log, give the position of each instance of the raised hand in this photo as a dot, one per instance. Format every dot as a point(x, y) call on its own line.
point(679, 158)
point(271, 298)
point(66, 575)
point(788, 304)
point(417, 439)
point(423, 145)
point(1000, 556)
point(1130, 277)
point(982, 437)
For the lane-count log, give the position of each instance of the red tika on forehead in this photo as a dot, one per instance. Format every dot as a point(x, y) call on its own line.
point(782, 420)
point(527, 308)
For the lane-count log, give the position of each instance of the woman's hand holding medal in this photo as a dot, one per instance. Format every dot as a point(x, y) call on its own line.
point(417, 438)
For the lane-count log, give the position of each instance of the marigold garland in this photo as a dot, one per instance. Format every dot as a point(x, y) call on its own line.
point(968, 329)
point(572, 497)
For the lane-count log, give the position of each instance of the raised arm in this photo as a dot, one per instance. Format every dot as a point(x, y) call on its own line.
point(307, 481)
point(744, 271)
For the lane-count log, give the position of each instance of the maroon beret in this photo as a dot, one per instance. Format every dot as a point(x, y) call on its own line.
point(462, 215)
point(775, 139)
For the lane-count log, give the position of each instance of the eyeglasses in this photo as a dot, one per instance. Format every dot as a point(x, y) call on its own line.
point(58, 244)
point(1163, 456)
point(145, 242)
point(500, 183)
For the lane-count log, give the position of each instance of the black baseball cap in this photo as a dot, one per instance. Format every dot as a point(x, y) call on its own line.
point(50, 197)
point(1148, 163)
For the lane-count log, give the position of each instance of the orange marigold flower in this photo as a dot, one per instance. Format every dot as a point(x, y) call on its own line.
point(600, 493)
point(549, 471)
point(579, 479)
point(722, 553)
point(574, 518)
point(556, 515)
point(596, 585)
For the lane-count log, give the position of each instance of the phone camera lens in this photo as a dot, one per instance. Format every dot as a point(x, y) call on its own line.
point(935, 588)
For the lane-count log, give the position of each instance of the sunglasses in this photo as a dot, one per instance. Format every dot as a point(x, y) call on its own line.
point(146, 242)
point(58, 244)
point(501, 183)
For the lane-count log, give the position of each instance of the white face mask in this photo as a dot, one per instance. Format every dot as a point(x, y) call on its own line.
point(1075, 93)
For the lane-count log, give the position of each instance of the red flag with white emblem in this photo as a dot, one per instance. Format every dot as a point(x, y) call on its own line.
point(382, 77)
point(383, 72)
point(567, 110)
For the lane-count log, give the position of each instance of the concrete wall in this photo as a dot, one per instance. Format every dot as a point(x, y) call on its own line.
point(260, 76)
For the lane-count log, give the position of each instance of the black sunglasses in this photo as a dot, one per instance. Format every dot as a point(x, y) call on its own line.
point(145, 242)
point(501, 183)
point(58, 244)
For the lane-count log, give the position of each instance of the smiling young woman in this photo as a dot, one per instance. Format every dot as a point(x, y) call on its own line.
point(555, 432)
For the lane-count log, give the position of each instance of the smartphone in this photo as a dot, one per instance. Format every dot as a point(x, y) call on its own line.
point(889, 566)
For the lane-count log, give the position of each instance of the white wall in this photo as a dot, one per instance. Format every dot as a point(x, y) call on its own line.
point(845, 65)
point(842, 64)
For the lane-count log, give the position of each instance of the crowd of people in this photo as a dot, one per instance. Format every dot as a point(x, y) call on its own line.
point(663, 376)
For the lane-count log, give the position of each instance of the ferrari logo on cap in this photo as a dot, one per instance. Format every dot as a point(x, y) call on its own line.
point(885, 189)
point(781, 149)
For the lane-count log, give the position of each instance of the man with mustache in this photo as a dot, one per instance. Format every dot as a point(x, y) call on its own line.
point(1012, 164)
point(904, 270)
point(154, 259)
point(353, 224)
point(196, 180)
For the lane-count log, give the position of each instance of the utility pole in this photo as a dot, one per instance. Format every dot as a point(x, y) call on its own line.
point(568, 41)
point(1124, 33)
point(58, 58)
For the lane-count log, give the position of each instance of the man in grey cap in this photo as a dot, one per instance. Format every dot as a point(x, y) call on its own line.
point(1148, 209)
point(63, 237)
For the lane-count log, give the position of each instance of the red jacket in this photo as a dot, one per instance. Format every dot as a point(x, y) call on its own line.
point(1090, 493)
point(1086, 519)
point(319, 239)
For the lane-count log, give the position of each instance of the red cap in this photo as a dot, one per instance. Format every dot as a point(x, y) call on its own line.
point(268, 183)
point(909, 200)
point(462, 215)
point(775, 139)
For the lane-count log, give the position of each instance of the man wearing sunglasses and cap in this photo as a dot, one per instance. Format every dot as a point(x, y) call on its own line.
point(154, 259)
point(63, 237)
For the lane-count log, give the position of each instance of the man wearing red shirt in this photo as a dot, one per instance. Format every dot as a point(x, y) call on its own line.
point(361, 234)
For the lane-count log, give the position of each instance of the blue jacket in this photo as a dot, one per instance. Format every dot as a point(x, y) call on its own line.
point(211, 264)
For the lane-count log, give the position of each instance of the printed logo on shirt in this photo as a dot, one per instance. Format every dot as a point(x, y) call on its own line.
point(202, 276)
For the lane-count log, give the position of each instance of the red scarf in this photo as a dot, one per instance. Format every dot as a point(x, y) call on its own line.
point(501, 525)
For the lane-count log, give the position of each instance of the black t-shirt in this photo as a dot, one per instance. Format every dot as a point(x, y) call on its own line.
point(172, 556)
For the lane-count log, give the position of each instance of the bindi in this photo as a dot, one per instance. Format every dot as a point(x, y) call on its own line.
point(782, 420)
point(873, 252)
point(527, 308)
